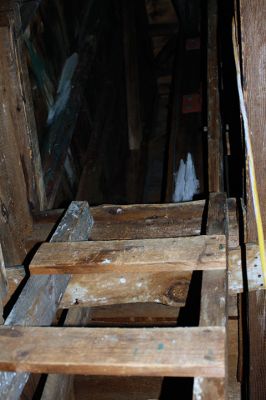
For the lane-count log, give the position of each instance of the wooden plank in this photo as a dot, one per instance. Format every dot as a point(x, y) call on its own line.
point(215, 144)
point(58, 386)
point(213, 299)
point(135, 221)
point(253, 32)
point(138, 314)
point(16, 221)
point(132, 75)
point(38, 301)
point(123, 256)
point(28, 141)
point(253, 269)
point(15, 275)
point(114, 351)
point(122, 388)
point(111, 288)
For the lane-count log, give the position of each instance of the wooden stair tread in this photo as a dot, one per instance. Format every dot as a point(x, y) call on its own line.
point(114, 351)
point(122, 256)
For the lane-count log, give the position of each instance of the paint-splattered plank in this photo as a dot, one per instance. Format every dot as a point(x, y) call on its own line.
point(125, 256)
point(114, 351)
point(38, 301)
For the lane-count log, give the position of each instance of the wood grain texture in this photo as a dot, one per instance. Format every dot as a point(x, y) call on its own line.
point(15, 276)
point(15, 218)
point(134, 314)
point(39, 299)
point(215, 145)
point(114, 351)
point(253, 269)
point(111, 288)
point(214, 299)
point(147, 221)
point(123, 256)
point(122, 388)
point(253, 32)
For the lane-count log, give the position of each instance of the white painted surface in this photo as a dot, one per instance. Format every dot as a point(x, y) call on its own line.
point(186, 182)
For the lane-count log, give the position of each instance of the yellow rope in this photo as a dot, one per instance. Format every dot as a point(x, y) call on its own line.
point(252, 174)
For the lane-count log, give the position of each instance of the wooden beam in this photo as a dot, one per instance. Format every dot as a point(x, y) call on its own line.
point(132, 75)
point(39, 299)
point(134, 314)
point(15, 221)
point(98, 289)
point(214, 300)
point(124, 256)
point(114, 351)
point(135, 221)
point(215, 143)
point(253, 33)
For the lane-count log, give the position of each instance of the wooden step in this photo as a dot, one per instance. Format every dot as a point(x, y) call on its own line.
point(125, 256)
point(114, 351)
point(98, 289)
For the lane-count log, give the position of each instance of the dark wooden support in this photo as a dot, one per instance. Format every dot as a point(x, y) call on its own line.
point(39, 299)
point(129, 10)
point(214, 299)
point(15, 220)
point(253, 33)
point(215, 142)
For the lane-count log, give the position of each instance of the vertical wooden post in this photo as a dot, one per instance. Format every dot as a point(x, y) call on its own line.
point(253, 35)
point(213, 299)
point(215, 143)
point(132, 74)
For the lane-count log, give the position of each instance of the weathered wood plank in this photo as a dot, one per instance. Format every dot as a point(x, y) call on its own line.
point(215, 144)
point(136, 221)
point(147, 221)
point(138, 314)
point(214, 299)
point(253, 32)
point(16, 221)
point(253, 269)
point(122, 388)
point(111, 288)
point(114, 351)
point(122, 256)
point(39, 299)
point(58, 386)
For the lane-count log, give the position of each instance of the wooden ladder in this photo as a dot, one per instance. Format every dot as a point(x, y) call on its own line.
point(115, 255)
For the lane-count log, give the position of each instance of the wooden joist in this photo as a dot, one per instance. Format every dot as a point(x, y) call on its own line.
point(114, 351)
point(124, 256)
point(39, 299)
